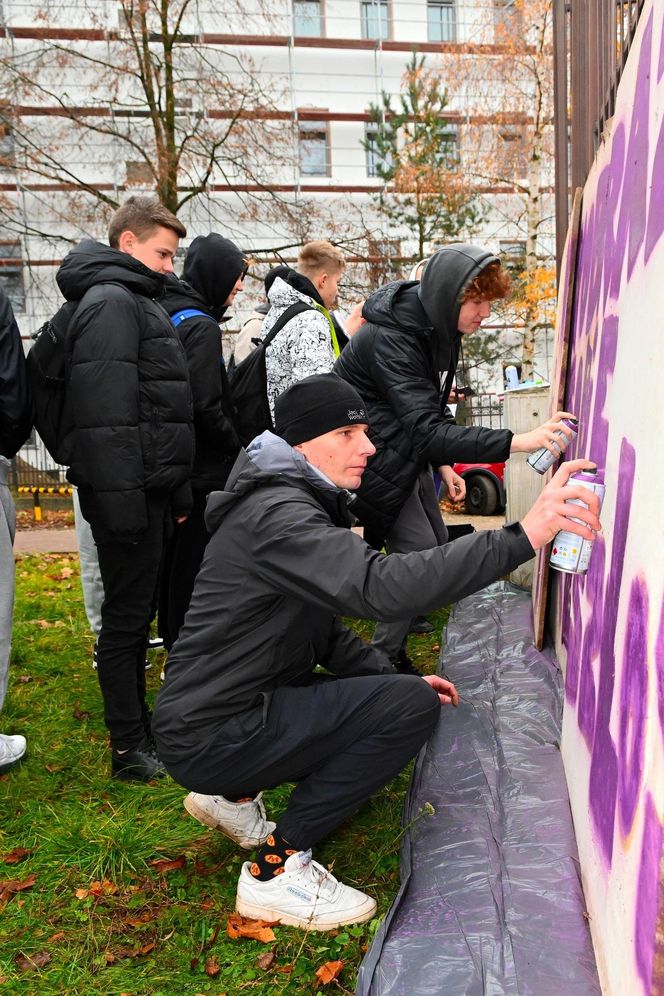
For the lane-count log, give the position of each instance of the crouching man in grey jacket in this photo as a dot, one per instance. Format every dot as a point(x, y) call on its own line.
point(244, 708)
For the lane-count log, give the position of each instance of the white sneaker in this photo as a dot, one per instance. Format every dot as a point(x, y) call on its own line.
point(304, 895)
point(12, 749)
point(243, 822)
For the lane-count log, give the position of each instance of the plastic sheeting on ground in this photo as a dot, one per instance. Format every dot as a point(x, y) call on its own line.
point(491, 901)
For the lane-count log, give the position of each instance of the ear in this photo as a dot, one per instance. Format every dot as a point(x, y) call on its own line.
point(320, 280)
point(127, 241)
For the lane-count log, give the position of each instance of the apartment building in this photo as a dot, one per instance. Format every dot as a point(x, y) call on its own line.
point(295, 80)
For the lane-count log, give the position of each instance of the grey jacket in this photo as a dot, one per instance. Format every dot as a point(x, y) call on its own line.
point(280, 567)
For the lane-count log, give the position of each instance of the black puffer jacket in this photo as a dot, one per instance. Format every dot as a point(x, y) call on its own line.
point(15, 404)
point(129, 389)
point(217, 444)
point(279, 570)
point(403, 362)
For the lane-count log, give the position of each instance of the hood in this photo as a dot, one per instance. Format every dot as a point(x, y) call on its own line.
point(298, 283)
point(269, 458)
point(212, 266)
point(93, 263)
point(446, 275)
point(178, 296)
point(397, 306)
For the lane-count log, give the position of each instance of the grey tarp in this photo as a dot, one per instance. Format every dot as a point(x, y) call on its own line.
point(491, 900)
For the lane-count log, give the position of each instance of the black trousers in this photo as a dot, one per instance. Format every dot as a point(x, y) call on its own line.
point(130, 572)
point(339, 739)
point(182, 560)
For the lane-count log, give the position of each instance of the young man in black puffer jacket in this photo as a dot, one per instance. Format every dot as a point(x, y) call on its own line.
point(134, 447)
point(214, 270)
point(403, 362)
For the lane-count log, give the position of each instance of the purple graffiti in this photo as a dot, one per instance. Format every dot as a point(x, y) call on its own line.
point(603, 766)
point(656, 206)
point(594, 591)
point(645, 910)
point(659, 669)
point(632, 223)
point(633, 704)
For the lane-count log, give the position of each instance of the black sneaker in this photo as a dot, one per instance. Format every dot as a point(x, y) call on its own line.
point(420, 624)
point(138, 765)
point(404, 665)
point(155, 643)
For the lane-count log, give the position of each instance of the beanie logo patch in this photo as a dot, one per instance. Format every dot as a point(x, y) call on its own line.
point(357, 415)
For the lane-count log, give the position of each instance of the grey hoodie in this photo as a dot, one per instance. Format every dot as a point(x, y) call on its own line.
point(280, 567)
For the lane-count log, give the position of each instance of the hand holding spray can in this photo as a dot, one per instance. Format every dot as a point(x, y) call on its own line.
point(569, 552)
point(542, 459)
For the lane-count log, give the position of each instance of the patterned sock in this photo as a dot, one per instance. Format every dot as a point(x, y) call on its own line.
point(271, 857)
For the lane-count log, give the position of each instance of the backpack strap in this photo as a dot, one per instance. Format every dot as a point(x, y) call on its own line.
point(284, 319)
point(182, 316)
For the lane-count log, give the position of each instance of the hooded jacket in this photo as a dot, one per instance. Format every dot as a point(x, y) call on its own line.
point(212, 266)
point(15, 404)
point(403, 362)
point(304, 346)
point(127, 377)
point(280, 567)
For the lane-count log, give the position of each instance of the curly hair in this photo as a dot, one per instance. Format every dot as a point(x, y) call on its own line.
point(492, 283)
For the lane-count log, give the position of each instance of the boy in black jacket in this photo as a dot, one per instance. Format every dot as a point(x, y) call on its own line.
point(244, 708)
point(214, 270)
point(15, 425)
point(134, 447)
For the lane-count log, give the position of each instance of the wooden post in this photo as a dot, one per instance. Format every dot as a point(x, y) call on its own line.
point(523, 411)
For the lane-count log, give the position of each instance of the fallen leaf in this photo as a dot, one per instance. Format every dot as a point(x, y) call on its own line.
point(43, 623)
point(24, 679)
point(140, 921)
point(265, 960)
point(53, 768)
point(328, 972)
point(286, 969)
point(56, 937)
point(80, 714)
point(163, 865)
point(25, 963)
point(212, 967)
point(18, 854)
point(255, 930)
point(97, 889)
point(13, 885)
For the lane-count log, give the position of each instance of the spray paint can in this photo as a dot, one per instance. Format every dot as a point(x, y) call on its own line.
point(569, 552)
point(542, 459)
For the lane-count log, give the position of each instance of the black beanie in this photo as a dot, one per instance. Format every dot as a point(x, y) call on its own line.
point(317, 405)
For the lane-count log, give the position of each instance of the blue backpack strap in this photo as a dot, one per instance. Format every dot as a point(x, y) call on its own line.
point(182, 316)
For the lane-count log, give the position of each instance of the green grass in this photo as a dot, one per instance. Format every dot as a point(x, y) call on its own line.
point(145, 932)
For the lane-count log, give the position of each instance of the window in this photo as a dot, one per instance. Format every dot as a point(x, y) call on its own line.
point(441, 17)
point(506, 18)
point(307, 18)
point(11, 274)
point(375, 19)
point(374, 158)
point(448, 153)
point(139, 173)
point(313, 148)
point(7, 149)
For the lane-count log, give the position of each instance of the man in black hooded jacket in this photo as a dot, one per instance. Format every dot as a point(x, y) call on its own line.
point(244, 708)
point(214, 270)
point(133, 447)
point(403, 362)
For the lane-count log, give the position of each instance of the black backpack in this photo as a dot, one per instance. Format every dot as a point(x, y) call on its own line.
point(248, 382)
point(46, 369)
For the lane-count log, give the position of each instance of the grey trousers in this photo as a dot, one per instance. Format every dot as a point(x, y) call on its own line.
point(91, 582)
point(419, 526)
point(7, 572)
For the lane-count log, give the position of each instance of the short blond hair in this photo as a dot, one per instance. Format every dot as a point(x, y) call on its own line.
point(142, 216)
point(320, 257)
